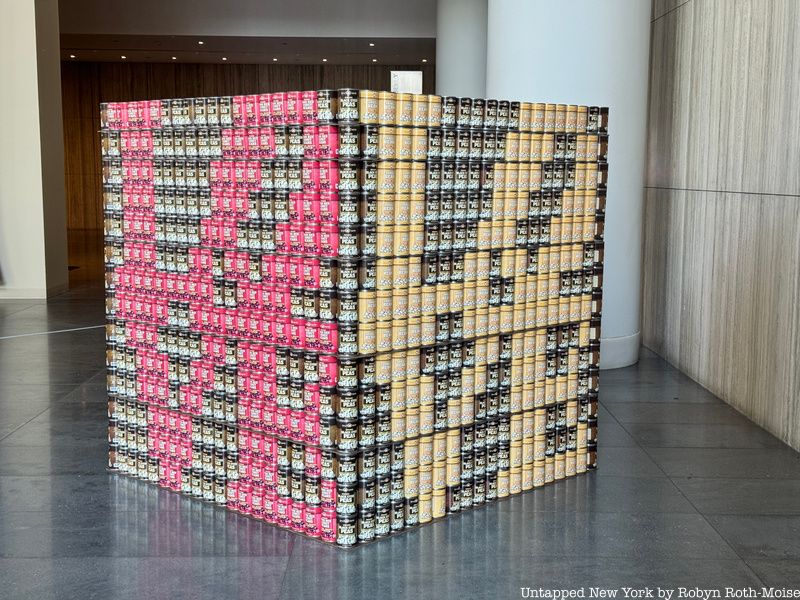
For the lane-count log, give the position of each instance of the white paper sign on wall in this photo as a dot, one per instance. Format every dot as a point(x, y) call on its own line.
point(407, 82)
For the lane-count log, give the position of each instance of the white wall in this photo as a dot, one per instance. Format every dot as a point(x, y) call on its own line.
point(596, 53)
point(52, 145)
point(22, 207)
point(461, 48)
point(280, 18)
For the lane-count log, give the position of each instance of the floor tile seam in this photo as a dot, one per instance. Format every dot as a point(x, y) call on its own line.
point(675, 403)
point(682, 423)
point(656, 447)
point(636, 558)
point(554, 511)
point(703, 516)
point(23, 335)
point(19, 310)
point(27, 422)
point(692, 504)
point(286, 569)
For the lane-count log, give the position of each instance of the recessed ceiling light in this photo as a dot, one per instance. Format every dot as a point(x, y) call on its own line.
point(200, 42)
point(424, 60)
point(72, 56)
point(174, 58)
point(274, 60)
point(324, 60)
point(374, 60)
point(224, 58)
point(123, 57)
point(371, 44)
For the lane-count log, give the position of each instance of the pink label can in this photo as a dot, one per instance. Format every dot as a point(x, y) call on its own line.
point(329, 240)
point(329, 207)
point(264, 109)
point(311, 176)
point(294, 104)
point(329, 337)
point(311, 272)
point(278, 108)
point(312, 335)
point(311, 141)
point(311, 238)
point(328, 175)
point(328, 371)
point(309, 107)
point(311, 206)
point(328, 141)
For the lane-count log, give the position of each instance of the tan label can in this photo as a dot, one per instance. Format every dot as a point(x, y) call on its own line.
point(549, 117)
point(400, 271)
point(434, 111)
point(419, 144)
point(367, 306)
point(404, 109)
point(402, 182)
point(416, 210)
point(403, 143)
point(368, 105)
point(400, 245)
point(428, 300)
point(387, 108)
point(386, 177)
point(384, 305)
point(428, 330)
point(538, 118)
point(387, 142)
point(384, 336)
point(367, 338)
point(399, 426)
point(414, 302)
point(419, 110)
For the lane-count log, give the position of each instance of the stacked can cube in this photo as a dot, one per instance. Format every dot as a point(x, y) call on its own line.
point(349, 312)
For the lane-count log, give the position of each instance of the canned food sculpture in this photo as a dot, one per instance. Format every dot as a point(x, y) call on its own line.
point(346, 312)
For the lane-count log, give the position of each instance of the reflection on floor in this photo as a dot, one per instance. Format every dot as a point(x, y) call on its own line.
point(688, 493)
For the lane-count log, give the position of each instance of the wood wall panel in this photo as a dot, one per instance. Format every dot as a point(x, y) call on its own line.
point(725, 97)
point(85, 85)
point(721, 275)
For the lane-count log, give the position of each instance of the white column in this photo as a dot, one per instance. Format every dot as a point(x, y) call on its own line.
point(595, 53)
point(461, 48)
point(33, 238)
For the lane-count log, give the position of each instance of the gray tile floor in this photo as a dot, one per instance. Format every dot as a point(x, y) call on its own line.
point(688, 493)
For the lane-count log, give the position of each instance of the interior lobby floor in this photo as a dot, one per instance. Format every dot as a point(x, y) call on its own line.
point(688, 493)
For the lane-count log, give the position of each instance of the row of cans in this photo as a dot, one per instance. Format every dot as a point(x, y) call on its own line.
point(177, 433)
point(352, 142)
point(569, 369)
point(332, 240)
point(348, 499)
point(152, 265)
point(436, 377)
point(368, 335)
point(352, 207)
point(390, 295)
point(385, 176)
point(318, 177)
point(346, 208)
point(165, 432)
point(348, 105)
point(539, 347)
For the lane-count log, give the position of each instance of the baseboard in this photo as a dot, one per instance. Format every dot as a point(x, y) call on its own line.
point(23, 293)
point(620, 352)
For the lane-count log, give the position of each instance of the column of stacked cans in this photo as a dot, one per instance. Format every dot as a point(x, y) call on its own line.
point(349, 312)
